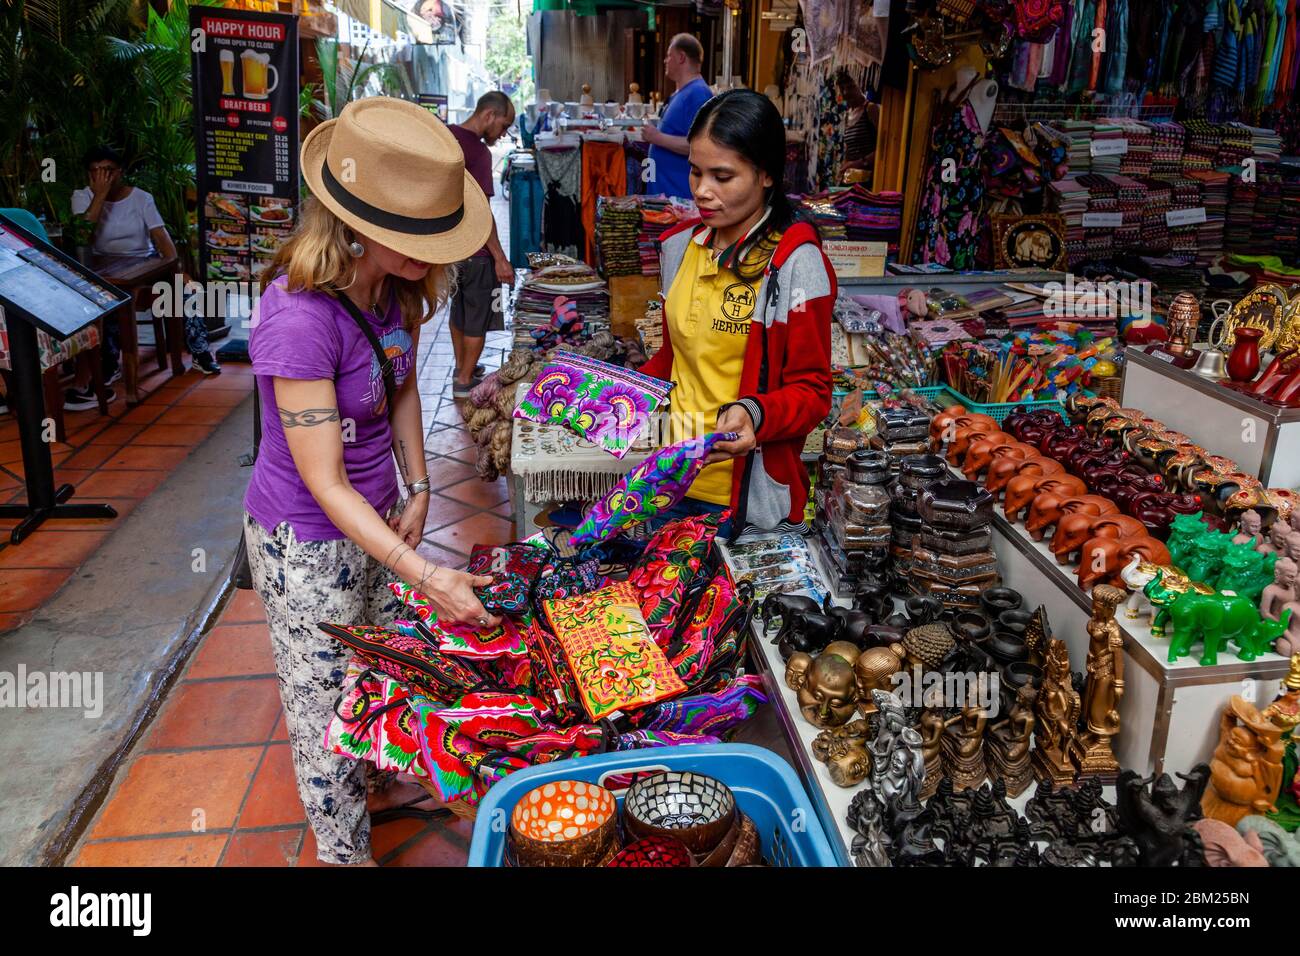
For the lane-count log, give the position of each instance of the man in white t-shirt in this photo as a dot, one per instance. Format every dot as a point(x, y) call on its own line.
point(127, 223)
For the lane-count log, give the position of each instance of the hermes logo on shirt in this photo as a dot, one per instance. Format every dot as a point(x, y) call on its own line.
point(731, 328)
point(737, 301)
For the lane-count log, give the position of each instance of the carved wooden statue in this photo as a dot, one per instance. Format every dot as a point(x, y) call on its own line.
point(1057, 716)
point(1008, 744)
point(1092, 749)
point(1246, 770)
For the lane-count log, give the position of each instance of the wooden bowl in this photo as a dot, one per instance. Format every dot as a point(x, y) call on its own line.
point(565, 823)
point(698, 810)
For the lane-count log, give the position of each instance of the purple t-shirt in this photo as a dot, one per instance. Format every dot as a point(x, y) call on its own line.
point(478, 163)
point(308, 335)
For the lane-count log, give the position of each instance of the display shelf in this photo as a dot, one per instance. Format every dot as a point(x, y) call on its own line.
point(1263, 439)
point(958, 282)
point(1169, 713)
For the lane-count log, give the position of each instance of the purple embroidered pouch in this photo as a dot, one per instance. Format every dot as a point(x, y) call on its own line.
point(606, 404)
point(649, 489)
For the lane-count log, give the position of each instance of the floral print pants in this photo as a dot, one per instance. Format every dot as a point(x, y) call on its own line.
point(302, 583)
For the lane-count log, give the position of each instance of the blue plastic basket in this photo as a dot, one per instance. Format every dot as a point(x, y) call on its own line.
point(998, 411)
point(766, 790)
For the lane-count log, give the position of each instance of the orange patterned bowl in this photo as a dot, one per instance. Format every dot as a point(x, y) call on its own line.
point(565, 823)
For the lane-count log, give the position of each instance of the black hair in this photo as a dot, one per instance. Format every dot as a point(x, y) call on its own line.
point(748, 123)
point(105, 152)
point(494, 100)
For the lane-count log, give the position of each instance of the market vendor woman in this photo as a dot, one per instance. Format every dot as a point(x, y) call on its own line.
point(326, 533)
point(747, 310)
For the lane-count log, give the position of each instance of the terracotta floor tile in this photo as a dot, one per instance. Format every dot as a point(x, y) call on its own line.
point(443, 512)
point(12, 620)
point(227, 383)
point(281, 732)
point(475, 491)
point(145, 457)
point(8, 427)
point(91, 456)
point(446, 441)
point(161, 792)
point(450, 415)
point(9, 482)
point(267, 848)
point(434, 552)
point(387, 837)
point(505, 510)
point(201, 849)
point(52, 549)
point(116, 435)
point(143, 414)
point(444, 472)
point(245, 607)
point(220, 712)
point(215, 397)
point(482, 528)
point(233, 650)
point(273, 798)
point(307, 855)
point(57, 459)
point(26, 590)
point(10, 451)
point(122, 484)
point(194, 415)
point(441, 846)
point(187, 435)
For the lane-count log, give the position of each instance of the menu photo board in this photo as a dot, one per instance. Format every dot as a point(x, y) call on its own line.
point(245, 81)
point(435, 103)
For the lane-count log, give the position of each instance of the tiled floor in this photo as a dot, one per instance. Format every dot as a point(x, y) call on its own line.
point(212, 783)
point(119, 459)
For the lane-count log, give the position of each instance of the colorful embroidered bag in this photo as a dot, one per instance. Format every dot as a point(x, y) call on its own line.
point(666, 569)
point(408, 658)
point(649, 489)
point(513, 569)
point(606, 404)
point(612, 657)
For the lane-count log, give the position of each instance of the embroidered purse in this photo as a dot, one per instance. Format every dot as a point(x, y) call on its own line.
point(610, 653)
point(649, 489)
point(513, 568)
point(667, 568)
point(606, 404)
point(408, 658)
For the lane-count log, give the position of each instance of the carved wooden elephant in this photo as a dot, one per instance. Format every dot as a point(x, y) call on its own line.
point(1047, 508)
point(944, 426)
point(982, 454)
point(1101, 560)
point(968, 434)
point(1072, 530)
point(1002, 470)
point(1023, 489)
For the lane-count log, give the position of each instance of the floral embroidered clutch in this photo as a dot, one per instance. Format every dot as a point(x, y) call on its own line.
point(649, 489)
point(606, 404)
point(408, 658)
point(608, 648)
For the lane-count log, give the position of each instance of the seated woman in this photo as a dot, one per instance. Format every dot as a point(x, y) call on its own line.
point(747, 320)
point(127, 223)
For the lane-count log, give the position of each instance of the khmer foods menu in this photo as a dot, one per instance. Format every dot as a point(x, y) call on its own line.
point(246, 129)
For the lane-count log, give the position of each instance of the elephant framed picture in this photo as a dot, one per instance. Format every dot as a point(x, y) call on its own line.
point(1029, 242)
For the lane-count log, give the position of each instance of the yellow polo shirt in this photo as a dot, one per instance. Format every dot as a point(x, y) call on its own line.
point(708, 308)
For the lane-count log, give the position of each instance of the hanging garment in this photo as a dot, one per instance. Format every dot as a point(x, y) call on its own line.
point(1111, 80)
point(952, 206)
point(1228, 55)
point(1085, 19)
point(604, 173)
point(561, 173)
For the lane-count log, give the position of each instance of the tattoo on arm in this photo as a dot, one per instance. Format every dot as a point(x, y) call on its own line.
point(308, 417)
point(401, 460)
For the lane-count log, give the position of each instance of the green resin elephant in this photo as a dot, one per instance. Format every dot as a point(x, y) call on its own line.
point(1205, 560)
point(1183, 534)
point(1197, 612)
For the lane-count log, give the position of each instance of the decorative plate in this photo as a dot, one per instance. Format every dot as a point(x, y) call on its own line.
point(1262, 308)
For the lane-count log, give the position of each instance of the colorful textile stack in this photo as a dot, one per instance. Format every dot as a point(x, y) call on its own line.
point(1078, 134)
point(1069, 198)
point(1132, 197)
point(658, 215)
point(1155, 227)
point(534, 306)
point(1241, 216)
point(857, 215)
point(1287, 227)
point(1167, 148)
point(618, 221)
point(1107, 164)
point(1103, 198)
point(1268, 207)
point(1214, 197)
point(1141, 145)
point(1201, 149)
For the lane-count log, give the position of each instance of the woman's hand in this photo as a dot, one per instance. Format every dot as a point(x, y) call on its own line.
point(452, 594)
point(734, 418)
point(409, 525)
point(101, 181)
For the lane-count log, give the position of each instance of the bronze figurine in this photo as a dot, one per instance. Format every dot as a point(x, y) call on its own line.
point(1092, 749)
point(1008, 743)
point(963, 748)
point(1057, 717)
point(844, 751)
point(931, 728)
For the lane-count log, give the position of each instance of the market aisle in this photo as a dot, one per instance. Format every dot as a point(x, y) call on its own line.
point(212, 784)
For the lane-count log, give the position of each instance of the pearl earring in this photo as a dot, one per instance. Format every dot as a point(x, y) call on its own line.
point(356, 249)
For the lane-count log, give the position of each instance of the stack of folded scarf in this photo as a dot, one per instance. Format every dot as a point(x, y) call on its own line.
point(618, 222)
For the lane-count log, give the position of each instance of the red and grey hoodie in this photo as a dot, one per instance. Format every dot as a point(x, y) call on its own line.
point(785, 382)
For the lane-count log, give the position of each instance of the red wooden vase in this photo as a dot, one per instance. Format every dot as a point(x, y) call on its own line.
point(1243, 363)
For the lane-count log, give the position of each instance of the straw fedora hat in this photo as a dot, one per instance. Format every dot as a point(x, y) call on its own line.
point(393, 172)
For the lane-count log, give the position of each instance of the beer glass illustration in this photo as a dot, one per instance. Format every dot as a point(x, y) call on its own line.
point(255, 67)
point(227, 73)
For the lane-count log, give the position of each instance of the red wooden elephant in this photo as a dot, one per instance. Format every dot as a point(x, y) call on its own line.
point(1072, 530)
point(1049, 507)
point(968, 434)
point(1002, 470)
point(1102, 559)
point(944, 425)
point(1023, 489)
point(983, 453)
